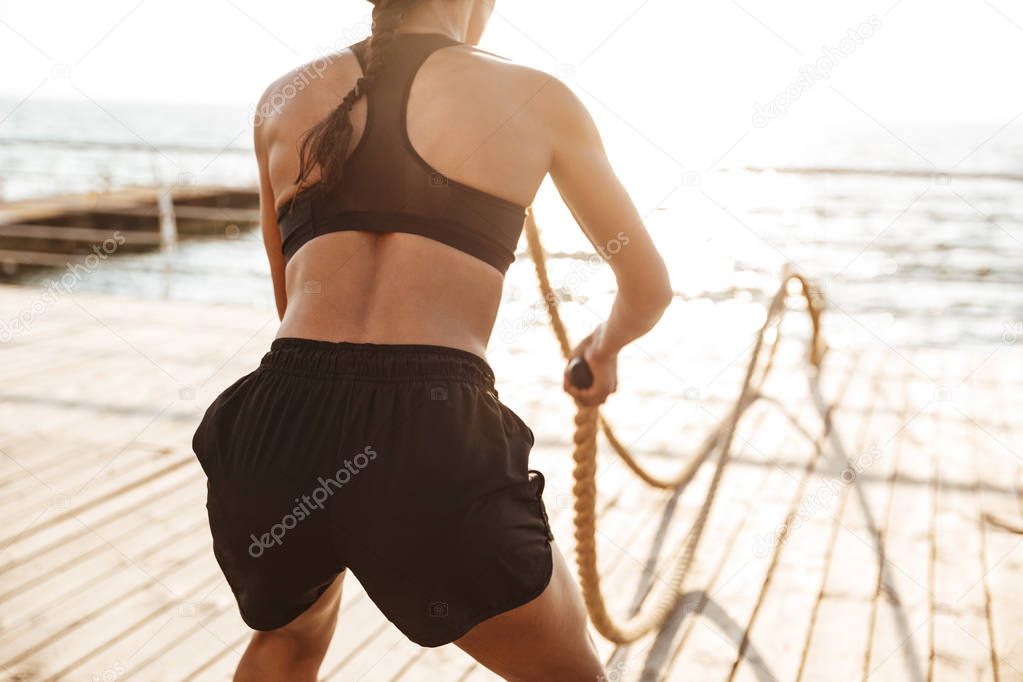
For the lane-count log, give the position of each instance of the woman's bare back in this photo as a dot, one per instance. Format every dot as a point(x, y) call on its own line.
point(478, 120)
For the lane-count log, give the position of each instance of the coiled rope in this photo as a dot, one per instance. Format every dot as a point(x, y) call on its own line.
point(588, 421)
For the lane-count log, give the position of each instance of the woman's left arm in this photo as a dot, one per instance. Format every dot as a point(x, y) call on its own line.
point(271, 231)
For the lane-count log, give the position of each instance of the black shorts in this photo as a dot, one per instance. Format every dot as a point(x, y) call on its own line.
point(396, 461)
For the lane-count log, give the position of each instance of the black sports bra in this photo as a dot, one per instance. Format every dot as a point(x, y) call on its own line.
point(389, 187)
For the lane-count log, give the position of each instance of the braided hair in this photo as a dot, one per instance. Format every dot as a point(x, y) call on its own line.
point(325, 145)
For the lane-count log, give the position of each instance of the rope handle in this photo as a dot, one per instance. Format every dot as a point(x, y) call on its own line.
point(579, 373)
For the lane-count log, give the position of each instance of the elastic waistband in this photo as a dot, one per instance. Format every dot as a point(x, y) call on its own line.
point(378, 361)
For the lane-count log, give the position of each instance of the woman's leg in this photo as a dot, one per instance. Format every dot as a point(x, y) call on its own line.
point(545, 639)
point(295, 651)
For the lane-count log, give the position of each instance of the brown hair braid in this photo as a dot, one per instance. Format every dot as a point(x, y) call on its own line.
point(325, 145)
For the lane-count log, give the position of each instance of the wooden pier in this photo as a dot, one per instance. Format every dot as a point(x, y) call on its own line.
point(885, 570)
point(63, 230)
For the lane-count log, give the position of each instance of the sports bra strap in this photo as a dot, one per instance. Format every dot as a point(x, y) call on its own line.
point(388, 187)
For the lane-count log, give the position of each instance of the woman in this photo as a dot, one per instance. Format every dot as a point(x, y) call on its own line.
point(393, 187)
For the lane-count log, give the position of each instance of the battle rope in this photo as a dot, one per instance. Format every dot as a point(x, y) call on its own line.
point(587, 420)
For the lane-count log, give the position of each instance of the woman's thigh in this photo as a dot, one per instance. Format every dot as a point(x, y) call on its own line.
point(545, 639)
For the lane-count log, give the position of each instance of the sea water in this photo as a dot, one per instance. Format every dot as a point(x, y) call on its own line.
point(931, 259)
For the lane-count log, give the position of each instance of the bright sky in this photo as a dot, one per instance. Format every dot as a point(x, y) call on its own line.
point(647, 65)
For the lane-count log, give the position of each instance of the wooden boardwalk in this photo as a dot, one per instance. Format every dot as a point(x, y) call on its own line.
point(884, 571)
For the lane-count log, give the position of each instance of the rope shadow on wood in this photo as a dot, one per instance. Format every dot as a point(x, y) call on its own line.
point(588, 422)
point(841, 460)
point(689, 603)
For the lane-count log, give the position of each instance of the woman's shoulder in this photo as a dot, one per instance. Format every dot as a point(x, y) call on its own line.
point(301, 77)
point(494, 75)
point(490, 64)
point(284, 90)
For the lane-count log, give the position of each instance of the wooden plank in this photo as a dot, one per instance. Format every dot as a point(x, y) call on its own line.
point(902, 636)
point(131, 623)
point(780, 623)
point(31, 541)
point(126, 590)
point(40, 208)
point(839, 634)
point(39, 258)
point(97, 572)
point(208, 643)
point(961, 646)
point(95, 545)
point(77, 234)
point(95, 468)
point(1002, 551)
point(211, 213)
point(868, 523)
point(739, 483)
point(43, 517)
point(710, 649)
point(653, 650)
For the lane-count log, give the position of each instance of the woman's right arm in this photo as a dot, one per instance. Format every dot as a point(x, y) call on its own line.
point(593, 193)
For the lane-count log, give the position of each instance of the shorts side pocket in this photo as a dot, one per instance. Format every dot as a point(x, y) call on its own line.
point(525, 427)
point(206, 440)
point(202, 443)
point(538, 481)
